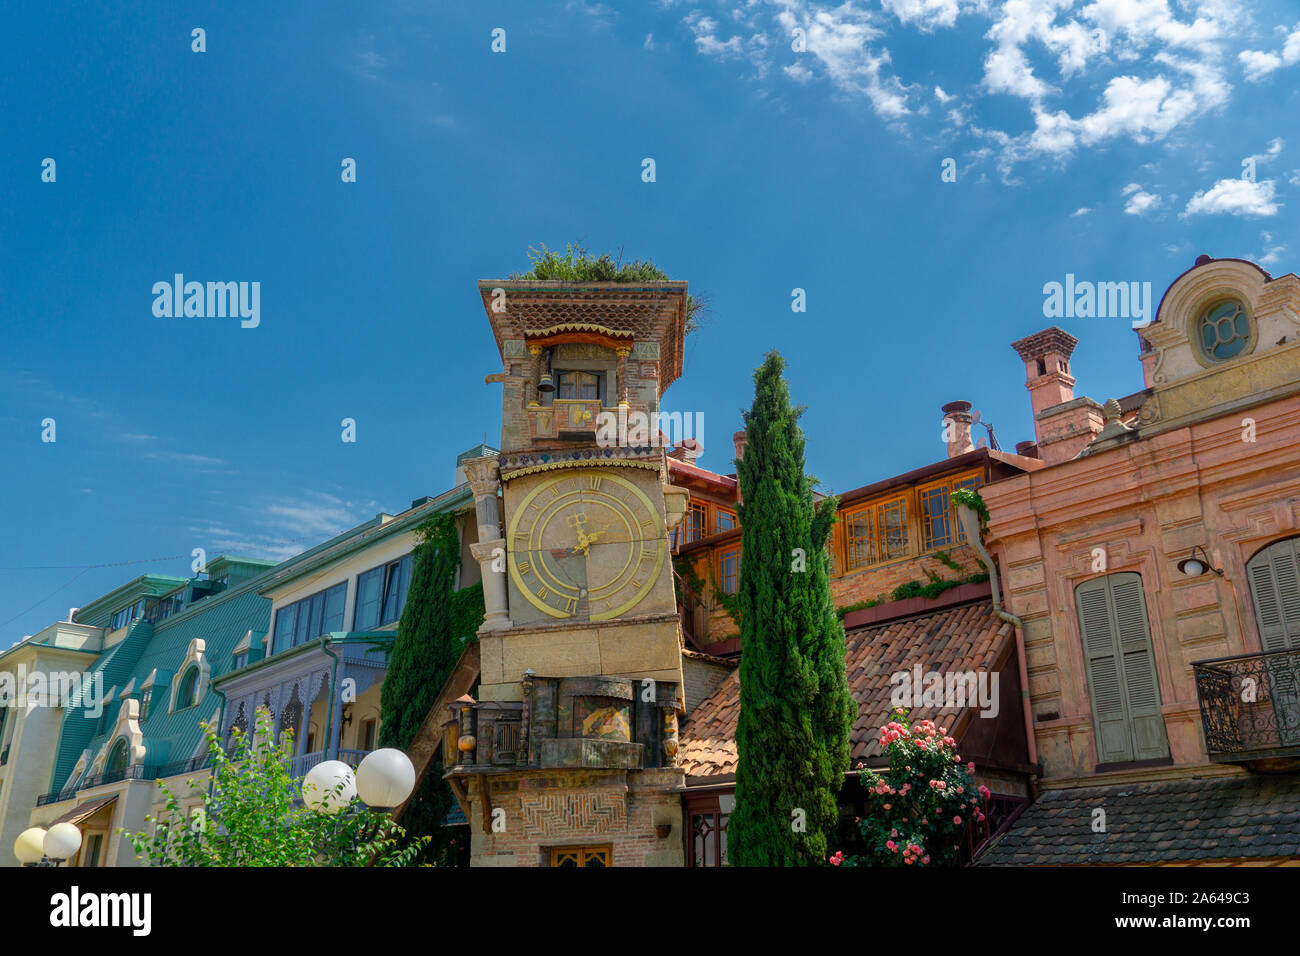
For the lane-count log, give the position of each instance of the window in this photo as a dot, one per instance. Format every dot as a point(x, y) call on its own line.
point(709, 838)
point(188, 695)
point(1121, 669)
point(308, 619)
point(146, 698)
point(578, 385)
point(729, 570)
point(1224, 331)
point(128, 614)
point(877, 533)
point(381, 594)
point(1274, 575)
point(939, 528)
point(366, 734)
point(582, 856)
point(726, 520)
point(861, 532)
point(117, 757)
point(91, 857)
point(165, 607)
point(241, 660)
point(695, 521)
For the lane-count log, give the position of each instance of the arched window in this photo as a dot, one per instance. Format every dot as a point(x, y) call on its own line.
point(1121, 669)
point(117, 757)
point(188, 694)
point(1274, 575)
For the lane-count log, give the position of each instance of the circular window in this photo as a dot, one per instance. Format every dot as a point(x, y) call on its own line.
point(1224, 331)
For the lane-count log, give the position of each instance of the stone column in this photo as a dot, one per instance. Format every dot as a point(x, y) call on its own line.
point(484, 476)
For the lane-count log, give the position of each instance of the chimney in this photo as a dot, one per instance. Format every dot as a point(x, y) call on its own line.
point(1027, 449)
point(956, 428)
point(1046, 355)
point(687, 450)
point(738, 439)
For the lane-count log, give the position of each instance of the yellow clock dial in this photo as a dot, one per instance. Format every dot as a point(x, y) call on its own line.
point(586, 544)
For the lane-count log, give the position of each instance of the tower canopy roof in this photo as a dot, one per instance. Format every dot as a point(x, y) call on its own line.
point(543, 312)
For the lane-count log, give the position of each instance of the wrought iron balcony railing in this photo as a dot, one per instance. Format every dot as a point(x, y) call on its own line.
point(1250, 706)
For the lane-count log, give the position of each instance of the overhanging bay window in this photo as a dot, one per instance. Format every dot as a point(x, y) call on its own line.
point(381, 594)
point(939, 527)
point(308, 619)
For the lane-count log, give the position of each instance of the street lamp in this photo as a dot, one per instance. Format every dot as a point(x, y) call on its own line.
point(385, 779)
point(40, 847)
point(1193, 567)
point(329, 787)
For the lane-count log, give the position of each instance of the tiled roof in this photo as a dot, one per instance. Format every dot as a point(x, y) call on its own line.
point(965, 638)
point(1171, 821)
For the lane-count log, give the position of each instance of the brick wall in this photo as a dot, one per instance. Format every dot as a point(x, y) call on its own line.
point(578, 808)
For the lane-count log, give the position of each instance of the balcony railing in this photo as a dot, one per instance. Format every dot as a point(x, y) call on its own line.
point(1250, 706)
point(300, 765)
point(139, 772)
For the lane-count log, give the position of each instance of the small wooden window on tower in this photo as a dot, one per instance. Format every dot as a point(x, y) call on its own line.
point(578, 385)
point(575, 856)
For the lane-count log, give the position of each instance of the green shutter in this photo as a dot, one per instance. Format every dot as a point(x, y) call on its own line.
point(1121, 669)
point(1274, 576)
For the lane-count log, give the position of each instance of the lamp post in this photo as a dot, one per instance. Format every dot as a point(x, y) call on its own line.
point(383, 780)
point(39, 847)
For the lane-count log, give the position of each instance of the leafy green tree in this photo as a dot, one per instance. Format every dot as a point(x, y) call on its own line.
point(795, 709)
point(436, 624)
point(248, 817)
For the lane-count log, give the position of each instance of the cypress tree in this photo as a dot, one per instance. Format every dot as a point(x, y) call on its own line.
point(796, 713)
point(436, 623)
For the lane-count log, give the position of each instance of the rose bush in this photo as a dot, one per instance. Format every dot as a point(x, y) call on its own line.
point(918, 810)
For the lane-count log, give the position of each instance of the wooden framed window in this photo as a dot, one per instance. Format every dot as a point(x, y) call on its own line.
point(1274, 575)
point(939, 527)
point(1122, 680)
point(891, 524)
point(706, 816)
point(577, 385)
point(574, 856)
point(729, 570)
point(724, 520)
point(695, 521)
point(860, 538)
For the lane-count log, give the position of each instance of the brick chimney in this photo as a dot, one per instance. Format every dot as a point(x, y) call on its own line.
point(1046, 355)
point(687, 450)
point(738, 439)
point(1063, 425)
point(956, 428)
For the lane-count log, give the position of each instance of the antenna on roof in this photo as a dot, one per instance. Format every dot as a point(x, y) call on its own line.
point(992, 439)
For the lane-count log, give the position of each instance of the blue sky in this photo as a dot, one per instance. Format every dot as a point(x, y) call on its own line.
point(1104, 139)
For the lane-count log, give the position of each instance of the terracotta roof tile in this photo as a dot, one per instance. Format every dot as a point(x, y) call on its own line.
point(965, 638)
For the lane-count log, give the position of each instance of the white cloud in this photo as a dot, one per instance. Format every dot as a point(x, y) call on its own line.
point(1081, 211)
point(1258, 64)
point(1235, 197)
point(1272, 253)
point(649, 43)
point(1141, 202)
point(928, 14)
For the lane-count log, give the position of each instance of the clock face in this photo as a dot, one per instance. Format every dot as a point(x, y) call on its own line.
point(586, 544)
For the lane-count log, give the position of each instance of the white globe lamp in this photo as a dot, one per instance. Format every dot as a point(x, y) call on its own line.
point(385, 779)
point(62, 841)
point(30, 846)
point(329, 787)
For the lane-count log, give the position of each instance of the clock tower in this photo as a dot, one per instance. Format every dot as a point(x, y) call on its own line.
point(567, 756)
